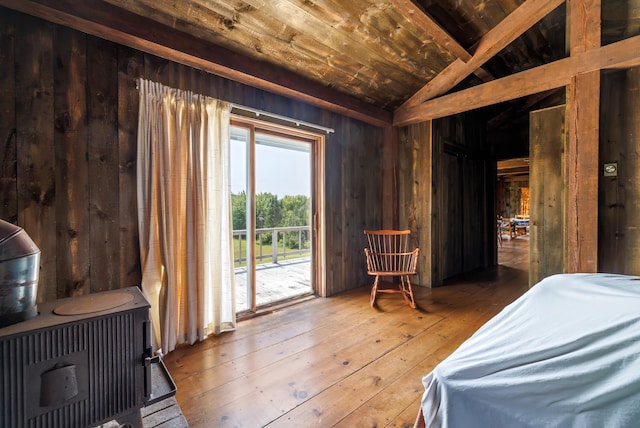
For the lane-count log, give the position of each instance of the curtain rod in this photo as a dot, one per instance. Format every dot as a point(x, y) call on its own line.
point(265, 113)
point(284, 118)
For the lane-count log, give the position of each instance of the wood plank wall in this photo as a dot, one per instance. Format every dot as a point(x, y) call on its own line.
point(446, 195)
point(619, 206)
point(68, 124)
point(548, 241)
point(353, 200)
point(510, 196)
point(422, 160)
point(467, 204)
point(416, 194)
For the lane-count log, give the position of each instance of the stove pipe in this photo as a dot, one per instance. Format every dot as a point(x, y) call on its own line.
point(19, 271)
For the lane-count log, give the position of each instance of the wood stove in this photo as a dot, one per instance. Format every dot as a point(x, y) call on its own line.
point(81, 362)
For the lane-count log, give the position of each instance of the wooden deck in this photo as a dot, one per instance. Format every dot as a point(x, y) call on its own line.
point(275, 282)
point(336, 361)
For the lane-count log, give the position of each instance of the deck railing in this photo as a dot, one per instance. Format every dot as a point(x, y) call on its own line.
point(277, 250)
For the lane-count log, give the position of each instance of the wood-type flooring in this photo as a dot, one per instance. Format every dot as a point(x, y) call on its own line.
point(337, 361)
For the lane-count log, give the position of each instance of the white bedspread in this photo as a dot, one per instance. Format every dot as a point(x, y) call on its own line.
point(565, 354)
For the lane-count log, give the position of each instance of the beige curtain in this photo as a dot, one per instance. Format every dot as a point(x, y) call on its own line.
point(184, 214)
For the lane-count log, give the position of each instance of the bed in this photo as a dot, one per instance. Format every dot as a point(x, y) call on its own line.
point(565, 354)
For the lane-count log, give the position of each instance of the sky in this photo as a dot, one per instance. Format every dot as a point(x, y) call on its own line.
point(279, 170)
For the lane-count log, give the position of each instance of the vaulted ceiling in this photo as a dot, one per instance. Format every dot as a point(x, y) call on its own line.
point(379, 51)
point(371, 57)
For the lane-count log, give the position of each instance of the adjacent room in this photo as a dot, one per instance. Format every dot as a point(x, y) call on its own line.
point(190, 190)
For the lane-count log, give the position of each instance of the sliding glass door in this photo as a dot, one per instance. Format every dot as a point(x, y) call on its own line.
point(273, 201)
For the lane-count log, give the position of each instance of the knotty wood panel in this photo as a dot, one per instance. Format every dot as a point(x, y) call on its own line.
point(416, 194)
point(72, 171)
point(69, 159)
point(104, 20)
point(445, 198)
point(8, 171)
point(103, 156)
point(466, 198)
point(390, 178)
point(582, 172)
point(464, 222)
point(619, 20)
point(451, 216)
point(353, 200)
point(358, 32)
point(35, 151)
point(474, 223)
point(618, 208)
point(547, 193)
point(511, 197)
point(130, 67)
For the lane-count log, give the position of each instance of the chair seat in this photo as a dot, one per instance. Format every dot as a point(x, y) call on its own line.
point(392, 273)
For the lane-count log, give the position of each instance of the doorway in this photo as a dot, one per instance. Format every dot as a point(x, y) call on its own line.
point(274, 172)
point(513, 212)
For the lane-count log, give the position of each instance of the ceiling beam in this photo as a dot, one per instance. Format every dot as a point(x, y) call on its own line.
point(512, 113)
point(109, 22)
point(431, 28)
point(499, 37)
point(623, 54)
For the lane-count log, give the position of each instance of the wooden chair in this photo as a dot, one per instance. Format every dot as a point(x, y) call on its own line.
point(388, 255)
point(505, 227)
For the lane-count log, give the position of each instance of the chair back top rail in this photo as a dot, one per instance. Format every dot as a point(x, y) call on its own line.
point(387, 232)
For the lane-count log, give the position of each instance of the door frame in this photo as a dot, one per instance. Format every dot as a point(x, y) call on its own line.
point(318, 240)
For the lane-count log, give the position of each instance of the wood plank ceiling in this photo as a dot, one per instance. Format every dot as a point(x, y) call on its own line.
point(378, 51)
point(375, 60)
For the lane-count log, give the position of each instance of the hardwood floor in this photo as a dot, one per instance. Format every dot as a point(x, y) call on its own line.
point(337, 361)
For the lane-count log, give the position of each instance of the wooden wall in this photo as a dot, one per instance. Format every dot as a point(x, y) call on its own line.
point(446, 197)
point(68, 124)
point(619, 197)
point(618, 233)
point(428, 156)
point(510, 195)
point(416, 195)
point(547, 222)
point(466, 203)
point(354, 200)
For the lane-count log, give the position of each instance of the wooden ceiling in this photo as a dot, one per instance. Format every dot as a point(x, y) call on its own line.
point(381, 52)
point(513, 169)
point(381, 61)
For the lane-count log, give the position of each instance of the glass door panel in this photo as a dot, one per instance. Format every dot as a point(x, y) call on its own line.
point(283, 218)
point(239, 190)
point(271, 187)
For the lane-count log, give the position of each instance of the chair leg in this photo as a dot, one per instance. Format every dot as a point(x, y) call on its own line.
point(407, 291)
point(374, 291)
